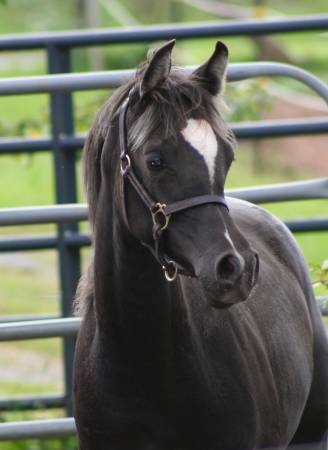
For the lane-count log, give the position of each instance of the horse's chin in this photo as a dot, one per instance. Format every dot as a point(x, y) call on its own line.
point(224, 300)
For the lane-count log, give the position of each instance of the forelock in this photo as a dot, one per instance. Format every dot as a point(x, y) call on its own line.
point(164, 112)
point(170, 106)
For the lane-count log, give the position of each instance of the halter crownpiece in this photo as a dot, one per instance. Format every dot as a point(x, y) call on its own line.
point(160, 212)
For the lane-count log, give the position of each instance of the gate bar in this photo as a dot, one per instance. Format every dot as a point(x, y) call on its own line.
point(299, 190)
point(72, 212)
point(83, 240)
point(242, 130)
point(37, 429)
point(112, 79)
point(277, 128)
point(37, 329)
point(43, 242)
point(27, 402)
point(302, 226)
point(168, 31)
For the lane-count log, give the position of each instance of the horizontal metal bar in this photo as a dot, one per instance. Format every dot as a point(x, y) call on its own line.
point(245, 130)
point(37, 329)
point(27, 317)
point(277, 129)
point(22, 144)
point(105, 80)
point(43, 243)
point(308, 225)
point(43, 214)
point(301, 190)
point(158, 32)
point(28, 402)
point(44, 84)
point(37, 429)
point(267, 69)
point(83, 240)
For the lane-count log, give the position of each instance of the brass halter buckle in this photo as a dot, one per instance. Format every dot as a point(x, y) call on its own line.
point(159, 216)
point(170, 274)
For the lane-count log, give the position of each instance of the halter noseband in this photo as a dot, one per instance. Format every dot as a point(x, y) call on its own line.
point(160, 212)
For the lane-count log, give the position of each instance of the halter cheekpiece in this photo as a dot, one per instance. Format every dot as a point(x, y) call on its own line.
point(160, 212)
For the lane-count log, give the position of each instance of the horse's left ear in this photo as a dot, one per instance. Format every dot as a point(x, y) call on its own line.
point(158, 68)
point(211, 75)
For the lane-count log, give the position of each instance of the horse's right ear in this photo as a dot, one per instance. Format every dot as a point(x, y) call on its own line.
point(158, 68)
point(211, 75)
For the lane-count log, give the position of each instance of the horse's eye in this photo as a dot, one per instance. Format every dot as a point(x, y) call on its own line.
point(155, 162)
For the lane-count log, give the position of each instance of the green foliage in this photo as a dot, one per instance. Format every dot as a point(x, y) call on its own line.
point(86, 111)
point(320, 274)
point(248, 100)
point(24, 127)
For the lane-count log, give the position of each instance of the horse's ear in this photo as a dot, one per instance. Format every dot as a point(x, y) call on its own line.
point(158, 69)
point(211, 75)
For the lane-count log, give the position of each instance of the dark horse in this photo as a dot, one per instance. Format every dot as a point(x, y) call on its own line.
point(200, 330)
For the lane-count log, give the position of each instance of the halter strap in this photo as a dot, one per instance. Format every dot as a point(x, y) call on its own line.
point(160, 212)
point(194, 201)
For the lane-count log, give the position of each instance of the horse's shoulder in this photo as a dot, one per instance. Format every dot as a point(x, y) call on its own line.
point(269, 234)
point(250, 216)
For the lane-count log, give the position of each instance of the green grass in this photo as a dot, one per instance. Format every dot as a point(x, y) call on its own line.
point(49, 444)
point(24, 106)
point(37, 290)
point(29, 180)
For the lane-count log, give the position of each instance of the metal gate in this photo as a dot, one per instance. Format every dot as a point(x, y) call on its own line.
point(64, 143)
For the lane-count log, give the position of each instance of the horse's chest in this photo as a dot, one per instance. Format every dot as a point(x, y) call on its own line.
point(180, 411)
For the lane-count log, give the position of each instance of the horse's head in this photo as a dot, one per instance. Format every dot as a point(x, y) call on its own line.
point(172, 138)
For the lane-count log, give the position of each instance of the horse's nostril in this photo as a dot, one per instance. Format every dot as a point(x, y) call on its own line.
point(228, 269)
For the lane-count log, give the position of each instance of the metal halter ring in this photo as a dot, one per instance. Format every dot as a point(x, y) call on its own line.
point(166, 272)
point(125, 164)
point(159, 216)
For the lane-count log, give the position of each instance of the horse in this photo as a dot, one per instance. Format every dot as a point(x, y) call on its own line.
point(200, 329)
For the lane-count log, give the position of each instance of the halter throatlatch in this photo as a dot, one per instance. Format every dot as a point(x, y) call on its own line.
point(160, 212)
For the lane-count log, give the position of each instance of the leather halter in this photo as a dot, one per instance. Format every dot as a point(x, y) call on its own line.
point(160, 212)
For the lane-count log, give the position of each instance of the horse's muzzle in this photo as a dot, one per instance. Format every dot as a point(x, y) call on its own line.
point(242, 279)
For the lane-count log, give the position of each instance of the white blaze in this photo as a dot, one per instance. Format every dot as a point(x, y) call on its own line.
point(200, 135)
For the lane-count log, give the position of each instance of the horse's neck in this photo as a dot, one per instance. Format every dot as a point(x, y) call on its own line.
point(132, 299)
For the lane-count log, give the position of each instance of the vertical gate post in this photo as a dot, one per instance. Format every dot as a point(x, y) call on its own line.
point(62, 123)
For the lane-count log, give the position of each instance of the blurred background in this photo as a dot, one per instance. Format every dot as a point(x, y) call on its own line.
point(29, 281)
